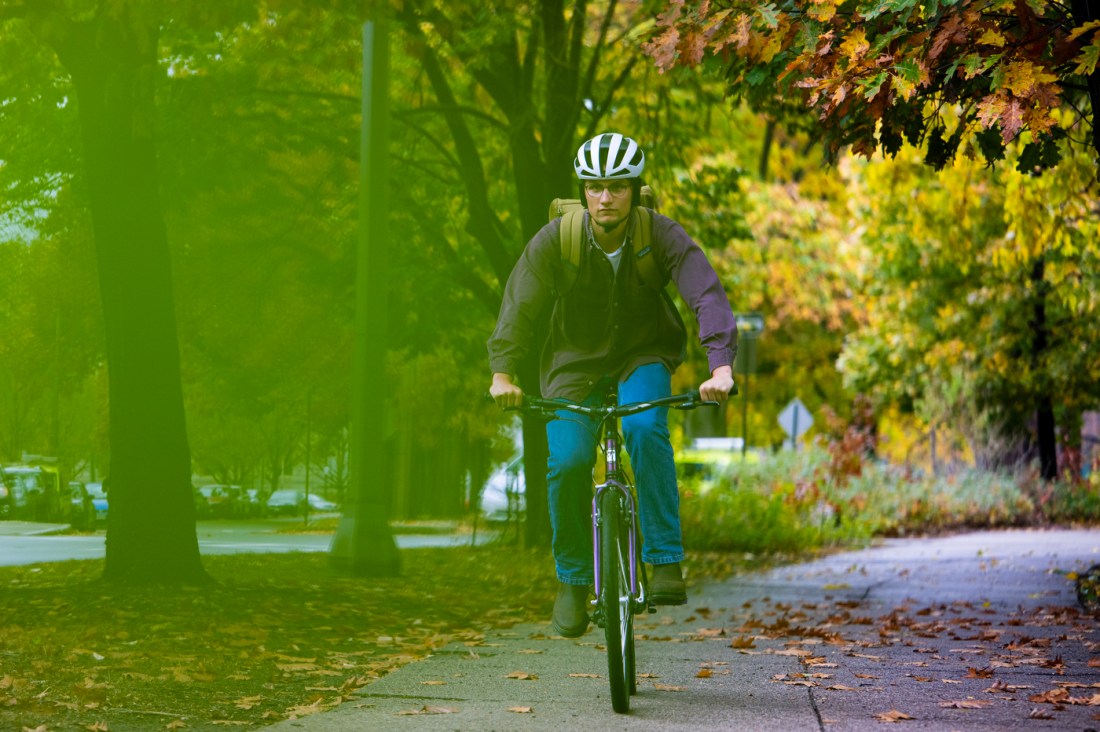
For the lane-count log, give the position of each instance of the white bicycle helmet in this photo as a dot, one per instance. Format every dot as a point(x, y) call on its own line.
point(609, 156)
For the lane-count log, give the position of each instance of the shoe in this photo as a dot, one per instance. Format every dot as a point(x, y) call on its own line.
point(667, 585)
point(571, 611)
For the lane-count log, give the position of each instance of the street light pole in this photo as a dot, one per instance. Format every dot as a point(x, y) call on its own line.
point(749, 328)
point(363, 544)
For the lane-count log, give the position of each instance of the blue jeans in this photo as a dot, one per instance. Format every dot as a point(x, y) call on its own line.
point(572, 443)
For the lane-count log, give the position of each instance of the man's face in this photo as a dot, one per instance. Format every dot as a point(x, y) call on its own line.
point(608, 202)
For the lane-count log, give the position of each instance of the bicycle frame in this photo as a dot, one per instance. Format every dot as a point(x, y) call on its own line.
point(615, 480)
point(623, 594)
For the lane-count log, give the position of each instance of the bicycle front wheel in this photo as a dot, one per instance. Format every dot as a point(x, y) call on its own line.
point(616, 601)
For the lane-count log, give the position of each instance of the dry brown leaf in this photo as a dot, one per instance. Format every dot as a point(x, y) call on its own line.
point(522, 676)
point(840, 687)
point(1094, 662)
point(978, 673)
point(1053, 696)
point(520, 710)
point(434, 683)
point(428, 710)
point(866, 676)
point(743, 641)
point(97, 726)
point(248, 702)
point(648, 676)
point(704, 673)
point(587, 676)
point(965, 704)
point(1040, 713)
point(893, 716)
point(177, 724)
point(666, 687)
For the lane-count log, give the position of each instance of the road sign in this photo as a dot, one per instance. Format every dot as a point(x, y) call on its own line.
point(795, 419)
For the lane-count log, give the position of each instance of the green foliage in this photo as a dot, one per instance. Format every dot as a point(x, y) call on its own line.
point(789, 503)
point(961, 264)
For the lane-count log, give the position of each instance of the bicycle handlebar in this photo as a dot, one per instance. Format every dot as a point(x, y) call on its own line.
point(548, 408)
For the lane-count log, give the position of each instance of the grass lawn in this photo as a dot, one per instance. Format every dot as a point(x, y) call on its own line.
point(278, 636)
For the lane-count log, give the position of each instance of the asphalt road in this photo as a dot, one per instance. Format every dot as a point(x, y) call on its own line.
point(27, 543)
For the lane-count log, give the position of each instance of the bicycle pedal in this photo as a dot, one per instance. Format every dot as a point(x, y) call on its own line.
point(651, 609)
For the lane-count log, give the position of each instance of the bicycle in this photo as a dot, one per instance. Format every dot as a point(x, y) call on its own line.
point(620, 579)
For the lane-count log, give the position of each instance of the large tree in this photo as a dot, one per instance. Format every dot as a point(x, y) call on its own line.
point(109, 50)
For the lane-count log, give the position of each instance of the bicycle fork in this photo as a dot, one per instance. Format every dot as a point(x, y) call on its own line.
point(629, 516)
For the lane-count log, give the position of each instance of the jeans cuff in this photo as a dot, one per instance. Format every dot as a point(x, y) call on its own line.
point(575, 581)
point(664, 559)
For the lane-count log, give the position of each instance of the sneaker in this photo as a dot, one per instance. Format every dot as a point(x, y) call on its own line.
point(667, 585)
point(571, 611)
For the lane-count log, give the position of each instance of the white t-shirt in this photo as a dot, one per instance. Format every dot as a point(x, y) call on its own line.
point(615, 257)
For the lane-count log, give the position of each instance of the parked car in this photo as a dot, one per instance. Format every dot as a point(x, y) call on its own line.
point(31, 493)
point(98, 495)
point(503, 497)
point(221, 501)
point(292, 502)
point(81, 508)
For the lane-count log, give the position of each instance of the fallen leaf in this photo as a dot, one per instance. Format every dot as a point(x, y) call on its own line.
point(434, 683)
point(522, 675)
point(1054, 696)
point(589, 676)
point(893, 716)
point(428, 710)
point(1040, 713)
point(520, 710)
point(965, 704)
point(704, 673)
point(743, 641)
point(666, 687)
point(97, 726)
point(840, 687)
point(978, 673)
point(866, 676)
point(177, 724)
point(248, 702)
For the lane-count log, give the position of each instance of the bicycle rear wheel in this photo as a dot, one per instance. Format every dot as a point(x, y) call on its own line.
point(616, 601)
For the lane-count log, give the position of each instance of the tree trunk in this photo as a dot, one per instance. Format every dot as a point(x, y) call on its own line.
point(1044, 412)
point(1083, 12)
point(151, 534)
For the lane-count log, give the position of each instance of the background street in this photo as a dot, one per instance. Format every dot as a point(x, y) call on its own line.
point(28, 543)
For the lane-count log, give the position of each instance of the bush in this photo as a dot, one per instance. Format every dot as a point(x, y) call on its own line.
point(794, 502)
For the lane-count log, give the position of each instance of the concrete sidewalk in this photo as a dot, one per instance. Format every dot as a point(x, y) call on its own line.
point(972, 632)
point(30, 528)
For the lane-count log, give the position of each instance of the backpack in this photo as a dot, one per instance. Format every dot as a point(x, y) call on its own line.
point(571, 211)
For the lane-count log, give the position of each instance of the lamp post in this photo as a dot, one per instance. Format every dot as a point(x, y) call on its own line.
point(363, 544)
point(749, 328)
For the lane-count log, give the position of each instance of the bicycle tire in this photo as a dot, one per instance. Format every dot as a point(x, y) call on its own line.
point(616, 601)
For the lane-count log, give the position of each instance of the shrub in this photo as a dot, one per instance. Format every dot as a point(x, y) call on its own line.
point(793, 502)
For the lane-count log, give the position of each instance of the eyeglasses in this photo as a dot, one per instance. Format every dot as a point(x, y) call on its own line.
point(617, 188)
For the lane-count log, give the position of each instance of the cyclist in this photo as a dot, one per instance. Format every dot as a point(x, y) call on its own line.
point(609, 328)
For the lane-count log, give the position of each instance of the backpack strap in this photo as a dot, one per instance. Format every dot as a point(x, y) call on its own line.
point(648, 268)
point(572, 239)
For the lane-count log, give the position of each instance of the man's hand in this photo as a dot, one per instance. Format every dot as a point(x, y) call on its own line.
point(505, 393)
point(717, 387)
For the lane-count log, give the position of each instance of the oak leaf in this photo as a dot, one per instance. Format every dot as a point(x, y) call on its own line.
point(893, 716)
